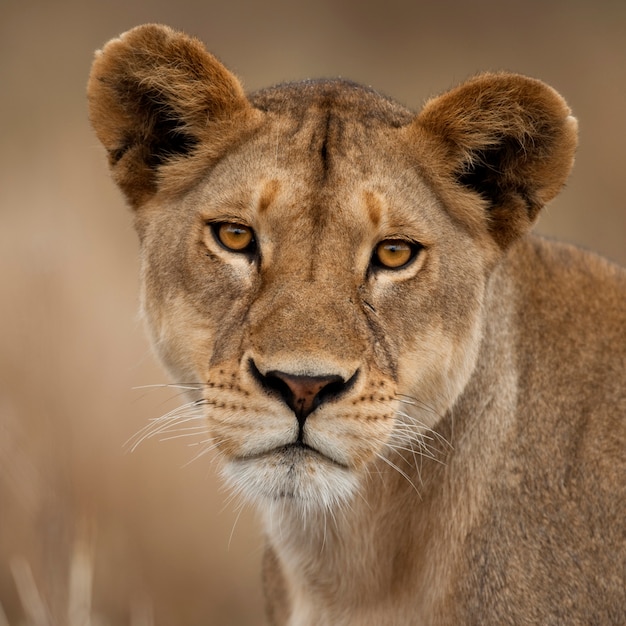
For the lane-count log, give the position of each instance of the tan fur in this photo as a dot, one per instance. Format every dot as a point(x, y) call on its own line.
point(466, 462)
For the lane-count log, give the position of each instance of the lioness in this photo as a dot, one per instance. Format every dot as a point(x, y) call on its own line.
point(425, 401)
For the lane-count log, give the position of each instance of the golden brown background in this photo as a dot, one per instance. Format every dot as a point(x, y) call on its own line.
point(158, 537)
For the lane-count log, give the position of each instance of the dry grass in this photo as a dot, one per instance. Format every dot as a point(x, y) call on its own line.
point(79, 610)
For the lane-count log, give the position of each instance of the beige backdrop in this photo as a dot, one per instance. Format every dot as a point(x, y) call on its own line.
point(159, 537)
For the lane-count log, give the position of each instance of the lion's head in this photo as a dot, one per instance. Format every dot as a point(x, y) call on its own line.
point(315, 256)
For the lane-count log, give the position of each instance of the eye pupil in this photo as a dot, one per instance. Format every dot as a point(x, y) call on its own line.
point(394, 253)
point(234, 237)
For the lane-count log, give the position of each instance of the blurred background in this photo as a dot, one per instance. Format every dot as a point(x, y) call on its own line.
point(87, 528)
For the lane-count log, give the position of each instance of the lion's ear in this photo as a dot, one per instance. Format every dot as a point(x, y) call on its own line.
point(509, 138)
point(155, 96)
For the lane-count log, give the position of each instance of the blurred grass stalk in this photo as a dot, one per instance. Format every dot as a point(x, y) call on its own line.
point(79, 600)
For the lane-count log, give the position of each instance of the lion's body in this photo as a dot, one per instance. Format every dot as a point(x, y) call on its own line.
point(426, 402)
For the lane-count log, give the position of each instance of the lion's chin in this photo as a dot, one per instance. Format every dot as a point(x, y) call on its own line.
point(293, 477)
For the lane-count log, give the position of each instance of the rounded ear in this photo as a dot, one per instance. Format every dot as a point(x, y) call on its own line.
point(157, 96)
point(508, 138)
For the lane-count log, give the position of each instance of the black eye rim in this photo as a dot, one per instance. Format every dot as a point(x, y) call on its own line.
point(415, 249)
point(250, 250)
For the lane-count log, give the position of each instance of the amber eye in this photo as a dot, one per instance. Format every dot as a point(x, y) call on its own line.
point(234, 237)
point(394, 253)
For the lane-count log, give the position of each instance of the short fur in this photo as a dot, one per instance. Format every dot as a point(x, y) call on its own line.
point(466, 460)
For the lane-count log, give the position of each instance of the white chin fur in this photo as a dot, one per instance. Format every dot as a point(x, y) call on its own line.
point(295, 478)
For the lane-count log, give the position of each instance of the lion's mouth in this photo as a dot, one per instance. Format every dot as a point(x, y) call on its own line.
point(294, 472)
point(292, 454)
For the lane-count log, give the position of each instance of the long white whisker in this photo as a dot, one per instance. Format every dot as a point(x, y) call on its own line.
point(232, 531)
point(207, 449)
point(425, 446)
point(404, 399)
point(180, 436)
point(422, 451)
point(416, 422)
point(184, 386)
point(418, 463)
point(187, 412)
point(400, 471)
point(178, 426)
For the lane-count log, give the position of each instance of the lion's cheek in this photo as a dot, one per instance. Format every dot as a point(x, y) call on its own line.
point(181, 338)
point(437, 367)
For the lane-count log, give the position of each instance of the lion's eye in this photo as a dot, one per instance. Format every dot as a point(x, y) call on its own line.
point(234, 237)
point(394, 253)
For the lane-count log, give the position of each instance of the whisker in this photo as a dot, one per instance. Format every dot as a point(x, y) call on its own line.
point(232, 531)
point(186, 386)
point(235, 493)
point(409, 430)
point(177, 426)
point(400, 471)
point(167, 423)
point(181, 436)
point(203, 452)
point(418, 462)
point(151, 430)
point(413, 400)
point(415, 421)
point(182, 389)
point(422, 451)
point(203, 442)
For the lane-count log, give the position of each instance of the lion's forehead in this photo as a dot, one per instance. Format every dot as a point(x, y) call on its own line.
point(316, 177)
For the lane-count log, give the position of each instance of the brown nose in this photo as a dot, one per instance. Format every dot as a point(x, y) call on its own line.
point(303, 394)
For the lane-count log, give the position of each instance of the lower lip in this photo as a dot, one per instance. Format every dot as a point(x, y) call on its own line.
point(291, 452)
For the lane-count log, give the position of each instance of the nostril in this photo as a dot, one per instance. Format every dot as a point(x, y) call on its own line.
point(303, 394)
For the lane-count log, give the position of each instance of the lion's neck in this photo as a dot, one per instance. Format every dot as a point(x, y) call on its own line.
point(360, 553)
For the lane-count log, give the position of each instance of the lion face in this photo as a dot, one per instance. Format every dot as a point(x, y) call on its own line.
point(327, 304)
point(314, 257)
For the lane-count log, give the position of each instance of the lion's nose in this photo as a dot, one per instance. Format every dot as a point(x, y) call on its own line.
point(303, 394)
